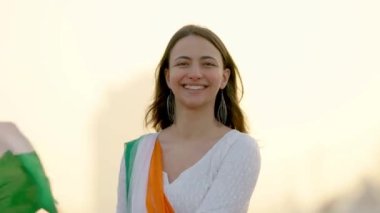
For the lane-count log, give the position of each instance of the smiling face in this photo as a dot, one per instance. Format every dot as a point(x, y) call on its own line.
point(196, 72)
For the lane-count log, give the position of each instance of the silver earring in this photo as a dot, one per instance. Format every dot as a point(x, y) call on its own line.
point(170, 106)
point(221, 114)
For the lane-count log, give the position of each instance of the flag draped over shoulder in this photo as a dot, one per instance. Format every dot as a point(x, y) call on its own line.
point(24, 187)
point(144, 183)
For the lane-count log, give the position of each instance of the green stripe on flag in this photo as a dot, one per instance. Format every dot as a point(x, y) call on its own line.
point(33, 166)
point(130, 149)
point(24, 187)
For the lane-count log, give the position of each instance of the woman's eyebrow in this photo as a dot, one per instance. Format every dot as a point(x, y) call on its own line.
point(208, 57)
point(189, 58)
point(182, 57)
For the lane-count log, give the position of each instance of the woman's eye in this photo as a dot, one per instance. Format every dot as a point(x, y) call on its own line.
point(209, 64)
point(182, 64)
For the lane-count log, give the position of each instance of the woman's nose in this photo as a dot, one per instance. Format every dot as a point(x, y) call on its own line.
point(195, 72)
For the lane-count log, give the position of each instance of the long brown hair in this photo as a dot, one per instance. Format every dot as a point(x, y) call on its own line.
point(157, 116)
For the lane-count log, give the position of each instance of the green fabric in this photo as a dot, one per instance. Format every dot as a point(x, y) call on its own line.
point(24, 188)
point(130, 149)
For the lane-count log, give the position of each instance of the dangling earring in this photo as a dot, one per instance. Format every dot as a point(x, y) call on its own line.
point(221, 114)
point(170, 106)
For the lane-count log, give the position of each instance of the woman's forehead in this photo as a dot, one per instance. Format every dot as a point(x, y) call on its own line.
point(194, 47)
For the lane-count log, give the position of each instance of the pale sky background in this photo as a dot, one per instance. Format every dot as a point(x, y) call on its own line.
point(76, 77)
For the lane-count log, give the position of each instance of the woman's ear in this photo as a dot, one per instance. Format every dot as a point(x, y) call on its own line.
point(167, 77)
point(226, 77)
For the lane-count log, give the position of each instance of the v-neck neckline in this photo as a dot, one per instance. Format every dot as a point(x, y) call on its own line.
point(189, 169)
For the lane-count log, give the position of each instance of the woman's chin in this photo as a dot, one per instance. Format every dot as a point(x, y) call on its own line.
point(195, 105)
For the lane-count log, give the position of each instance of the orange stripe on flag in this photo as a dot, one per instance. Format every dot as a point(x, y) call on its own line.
point(156, 201)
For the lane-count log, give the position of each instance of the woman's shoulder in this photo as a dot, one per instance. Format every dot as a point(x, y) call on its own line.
point(243, 140)
point(141, 137)
point(242, 145)
point(236, 145)
point(238, 151)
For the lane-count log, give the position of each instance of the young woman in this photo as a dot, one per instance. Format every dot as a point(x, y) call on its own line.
point(200, 159)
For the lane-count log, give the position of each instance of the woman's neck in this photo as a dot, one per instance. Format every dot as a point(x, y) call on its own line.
point(192, 124)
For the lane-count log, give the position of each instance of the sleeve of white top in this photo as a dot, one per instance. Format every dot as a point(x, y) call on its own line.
point(121, 199)
point(235, 181)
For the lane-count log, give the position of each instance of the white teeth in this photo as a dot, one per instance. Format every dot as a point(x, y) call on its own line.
point(195, 87)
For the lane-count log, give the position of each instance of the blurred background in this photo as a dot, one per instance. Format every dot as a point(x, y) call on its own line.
point(76, 77)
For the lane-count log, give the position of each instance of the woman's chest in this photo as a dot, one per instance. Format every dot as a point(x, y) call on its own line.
point(179, 159)
point(188, 190)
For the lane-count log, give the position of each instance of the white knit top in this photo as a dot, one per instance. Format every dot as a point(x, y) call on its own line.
point(222, 181)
